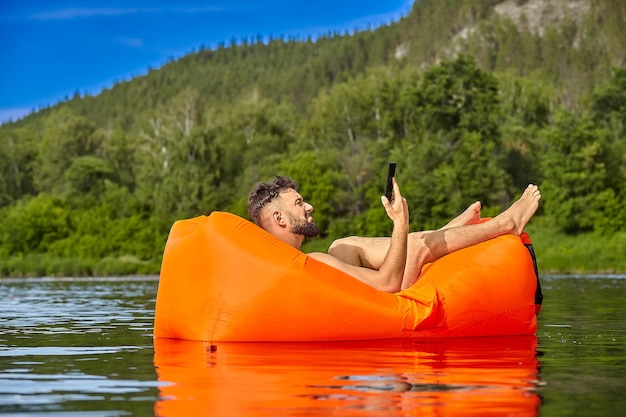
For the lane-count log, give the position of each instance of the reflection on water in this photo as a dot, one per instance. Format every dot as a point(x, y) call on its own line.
point(487, 376)
point(85, 348)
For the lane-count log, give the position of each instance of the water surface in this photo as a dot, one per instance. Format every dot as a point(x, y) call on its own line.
point(85, 348)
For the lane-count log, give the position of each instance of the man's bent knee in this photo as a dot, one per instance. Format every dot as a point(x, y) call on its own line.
point(346, 250)
point(417, 249)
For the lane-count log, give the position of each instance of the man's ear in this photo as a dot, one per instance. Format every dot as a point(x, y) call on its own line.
point(278, 218)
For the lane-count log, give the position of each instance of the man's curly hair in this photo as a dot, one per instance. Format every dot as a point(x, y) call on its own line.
point(264, 193)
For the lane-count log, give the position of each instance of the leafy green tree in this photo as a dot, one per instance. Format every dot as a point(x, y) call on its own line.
point(67, 136)
point(456, 154)
point(609, 102)
point(458, 96)
point(120, 151)
point(609, 111)
point(361, 109)
point(17, 155)
point(526, 103)
point(576, 176)
point(174, 159)
point(34, 224)
point(123, 229)
point(87, 174)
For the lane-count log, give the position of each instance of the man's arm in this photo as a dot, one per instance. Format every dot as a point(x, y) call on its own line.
point(389, 276)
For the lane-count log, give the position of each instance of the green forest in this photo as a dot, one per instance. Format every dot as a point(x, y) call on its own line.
point(472, 99)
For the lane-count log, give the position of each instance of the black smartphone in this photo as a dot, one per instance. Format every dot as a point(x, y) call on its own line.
point(391, 172)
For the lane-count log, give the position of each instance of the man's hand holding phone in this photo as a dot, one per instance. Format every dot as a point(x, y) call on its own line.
point(391, 172)
point(395, 205)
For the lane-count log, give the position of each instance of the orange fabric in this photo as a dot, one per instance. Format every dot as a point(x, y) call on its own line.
point(526, 239)
point(491, 376)
point(225, 279)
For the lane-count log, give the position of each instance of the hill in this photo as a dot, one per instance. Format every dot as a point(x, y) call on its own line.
point(573, 43)
point(473, 99)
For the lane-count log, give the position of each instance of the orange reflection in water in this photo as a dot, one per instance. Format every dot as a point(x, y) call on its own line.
point(454, 377)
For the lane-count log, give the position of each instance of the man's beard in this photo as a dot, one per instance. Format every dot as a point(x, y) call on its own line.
point(303, 227)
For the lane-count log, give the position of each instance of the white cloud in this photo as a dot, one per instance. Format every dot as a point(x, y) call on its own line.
point(207, 9)
point(132, 42)
point(64, 14)
point(73, 13)
point(379, 19)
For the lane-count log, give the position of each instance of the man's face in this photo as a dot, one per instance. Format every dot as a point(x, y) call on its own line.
point(298, 214)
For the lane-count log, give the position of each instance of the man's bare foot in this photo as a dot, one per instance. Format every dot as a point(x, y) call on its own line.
point(471, 215)
point(516, 217)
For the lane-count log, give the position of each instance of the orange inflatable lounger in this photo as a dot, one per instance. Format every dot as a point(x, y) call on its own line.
point(224, 279)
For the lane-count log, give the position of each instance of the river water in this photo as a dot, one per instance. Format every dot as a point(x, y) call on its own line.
point(76, 347)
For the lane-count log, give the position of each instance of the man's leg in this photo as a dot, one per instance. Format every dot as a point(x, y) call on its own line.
point(471, 215)
point(428, 246)
point(370, 252)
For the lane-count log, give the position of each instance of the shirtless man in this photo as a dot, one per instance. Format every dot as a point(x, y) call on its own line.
point(384, 262)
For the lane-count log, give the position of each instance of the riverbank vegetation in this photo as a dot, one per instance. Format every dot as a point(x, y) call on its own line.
point(473, 103)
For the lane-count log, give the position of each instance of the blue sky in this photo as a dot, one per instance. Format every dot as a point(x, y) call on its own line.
point(51, 49)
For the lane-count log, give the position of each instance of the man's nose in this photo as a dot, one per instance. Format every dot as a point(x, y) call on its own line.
point(308, 207)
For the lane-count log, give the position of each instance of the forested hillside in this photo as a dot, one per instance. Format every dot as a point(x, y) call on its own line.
point(473, 99)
